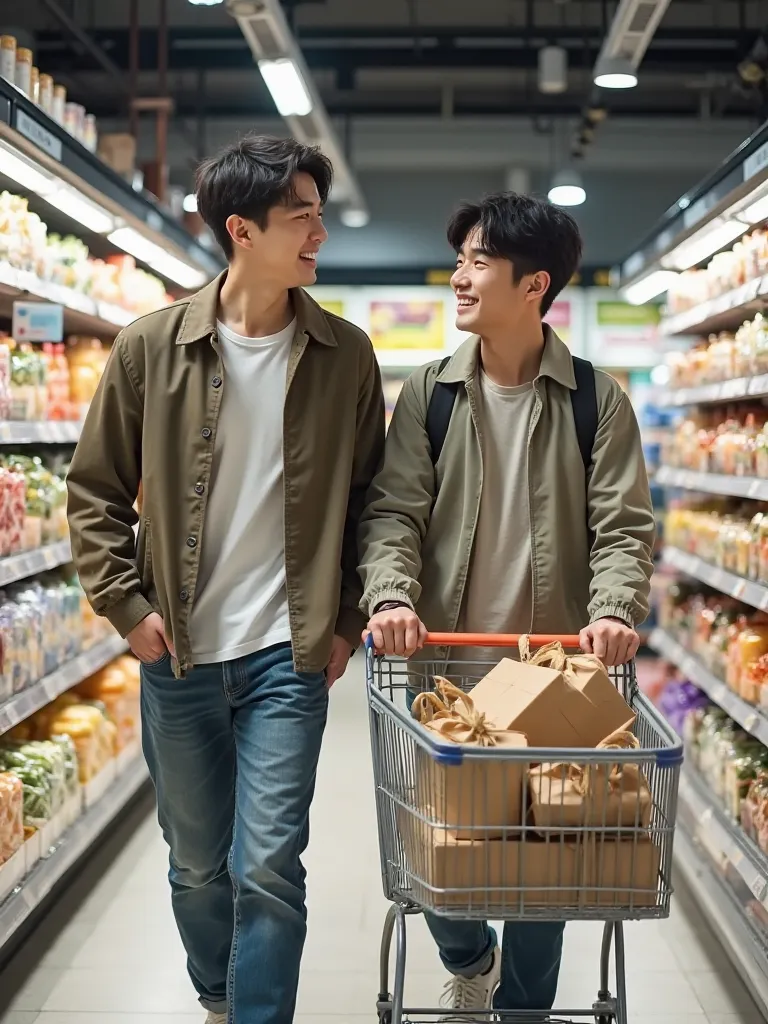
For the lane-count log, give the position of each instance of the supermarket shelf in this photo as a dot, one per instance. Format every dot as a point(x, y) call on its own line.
point(26, 703)
point(30, 131)
point(713, 483)
point(748, 591)
point(82, 314)
point(44, 432)
point(729, 877)
point(722, 391)
point(749, 717)
point(728, 310)
point(18, 567)
point(75, 842)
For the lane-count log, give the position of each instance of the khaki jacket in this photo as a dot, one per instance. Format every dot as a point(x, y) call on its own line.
point(153, 421)
point(417, 533)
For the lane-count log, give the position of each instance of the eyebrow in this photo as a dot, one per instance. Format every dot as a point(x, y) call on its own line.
point(478, 252)
point(301, 204)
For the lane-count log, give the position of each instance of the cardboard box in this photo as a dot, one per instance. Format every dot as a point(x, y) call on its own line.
point(12, 871)
point(118, 150)
point(625, 873)
point(573, 796)
point(478, 798)
point(549, 709)
point(496, 875)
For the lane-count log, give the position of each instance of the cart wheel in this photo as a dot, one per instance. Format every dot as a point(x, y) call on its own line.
point(604, 1018)
point(385, 1017)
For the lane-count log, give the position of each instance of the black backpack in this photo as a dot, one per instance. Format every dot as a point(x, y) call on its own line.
point(583, 403)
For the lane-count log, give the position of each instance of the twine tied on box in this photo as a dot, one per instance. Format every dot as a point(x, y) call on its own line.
point(452, 713)
point(582, 775)
point(553, 656)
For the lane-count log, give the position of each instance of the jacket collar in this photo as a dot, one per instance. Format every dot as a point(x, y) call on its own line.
point(556, 361)
point(200, 318)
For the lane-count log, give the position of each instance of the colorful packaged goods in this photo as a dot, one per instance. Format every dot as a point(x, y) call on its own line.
point(11, 815)
point(745, 262)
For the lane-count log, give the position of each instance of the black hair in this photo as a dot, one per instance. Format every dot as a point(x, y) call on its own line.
point(252, 176)
point(532, 233)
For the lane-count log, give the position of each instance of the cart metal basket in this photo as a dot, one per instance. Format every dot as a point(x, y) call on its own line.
point(594, 833)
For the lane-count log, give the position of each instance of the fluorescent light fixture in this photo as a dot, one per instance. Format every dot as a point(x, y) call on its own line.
point(614, 73)
point(705, 242)
point(567, 189)
point(189, 204)
point(660, 375)
point(89, 215)
point(158, 259)
point(205, 3)
point(284, 81)
point(26, 173)
point(648, 287)
point(352, 217)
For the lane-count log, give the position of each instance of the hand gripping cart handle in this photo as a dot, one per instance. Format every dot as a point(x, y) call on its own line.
point(475, 824)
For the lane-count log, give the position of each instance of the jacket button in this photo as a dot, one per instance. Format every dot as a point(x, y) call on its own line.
point(199, 489)
point(216, 382)
point(207, 433)
point(183, 596)
point(191, 542)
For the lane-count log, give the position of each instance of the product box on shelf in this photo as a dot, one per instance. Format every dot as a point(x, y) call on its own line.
point(12, 872)
point(32, 849)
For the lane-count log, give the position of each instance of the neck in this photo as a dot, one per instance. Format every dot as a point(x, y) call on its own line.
point(512, 358)
point(254, 309)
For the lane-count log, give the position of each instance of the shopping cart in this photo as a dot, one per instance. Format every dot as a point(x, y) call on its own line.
point(434, 858)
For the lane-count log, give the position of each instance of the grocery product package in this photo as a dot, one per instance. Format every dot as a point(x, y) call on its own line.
point(556, 700)
point(11, 815)
point(480, 795)
point(570, 796)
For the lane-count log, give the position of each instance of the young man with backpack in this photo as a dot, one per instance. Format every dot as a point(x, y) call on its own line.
point(254, 421)
point(513, 499)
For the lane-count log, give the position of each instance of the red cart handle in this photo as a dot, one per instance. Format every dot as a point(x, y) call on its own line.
point(497, 640)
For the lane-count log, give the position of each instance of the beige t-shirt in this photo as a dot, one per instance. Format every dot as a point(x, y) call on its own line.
point(499, 596)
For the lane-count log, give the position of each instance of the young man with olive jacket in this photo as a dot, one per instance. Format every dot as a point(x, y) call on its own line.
point(254, 421)
point(515, 524)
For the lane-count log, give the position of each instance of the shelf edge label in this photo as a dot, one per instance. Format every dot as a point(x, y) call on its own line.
point(30, 129)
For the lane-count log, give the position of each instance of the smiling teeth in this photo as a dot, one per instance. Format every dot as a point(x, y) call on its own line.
point(308, 255)
point(467, 302)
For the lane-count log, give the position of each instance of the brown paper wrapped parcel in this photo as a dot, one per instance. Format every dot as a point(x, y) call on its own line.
point(569, 796)
point(480, 797)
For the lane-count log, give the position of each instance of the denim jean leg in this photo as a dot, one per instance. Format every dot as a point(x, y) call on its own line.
point(466, 947)
point(280, 718)
point(189, 746)
point(530, 965)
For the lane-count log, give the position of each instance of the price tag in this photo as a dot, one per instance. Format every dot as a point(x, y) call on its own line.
point(759, 887)
point(737, 590)
point(750, 722)
point(756, 488)
point(759, 385)
point(38, 321)
point(718, 693)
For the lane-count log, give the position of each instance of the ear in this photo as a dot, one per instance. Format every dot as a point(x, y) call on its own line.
point(239, 231)
point(538, 286)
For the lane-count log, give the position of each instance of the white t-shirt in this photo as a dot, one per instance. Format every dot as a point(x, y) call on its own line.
point(500, 586)
point(241, 604)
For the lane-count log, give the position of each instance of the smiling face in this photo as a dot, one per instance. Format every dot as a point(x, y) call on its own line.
point(489, 299)
point(285, 252)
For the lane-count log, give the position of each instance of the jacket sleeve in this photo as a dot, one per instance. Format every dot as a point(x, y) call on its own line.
point(621, 516)
point(400, 501)
point(369, 447)
point(103, 483)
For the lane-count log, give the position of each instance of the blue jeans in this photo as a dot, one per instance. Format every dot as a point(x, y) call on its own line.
point(233, 751)
point(530, 957)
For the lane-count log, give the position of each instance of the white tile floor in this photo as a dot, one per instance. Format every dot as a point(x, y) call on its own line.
point(108, 952)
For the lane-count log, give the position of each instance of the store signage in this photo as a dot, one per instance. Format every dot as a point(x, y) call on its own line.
point(756, 162)
point(38, 321)
point(30, 129)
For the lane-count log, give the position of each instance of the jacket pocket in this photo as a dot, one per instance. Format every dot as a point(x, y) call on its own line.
point(144, 556)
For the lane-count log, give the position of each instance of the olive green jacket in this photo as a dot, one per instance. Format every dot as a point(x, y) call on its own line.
point(153, 421)
point(417, 533)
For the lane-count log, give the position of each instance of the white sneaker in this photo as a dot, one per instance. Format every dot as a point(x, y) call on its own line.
point(216, 1018)
point(472, 993)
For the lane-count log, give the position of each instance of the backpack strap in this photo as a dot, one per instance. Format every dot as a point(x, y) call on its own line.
point(584, 404)
point(439, 412)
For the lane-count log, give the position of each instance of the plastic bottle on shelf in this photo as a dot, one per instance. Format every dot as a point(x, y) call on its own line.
point(46, 94)
point(23, 75)
point(59, 102)
point(8, 58)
